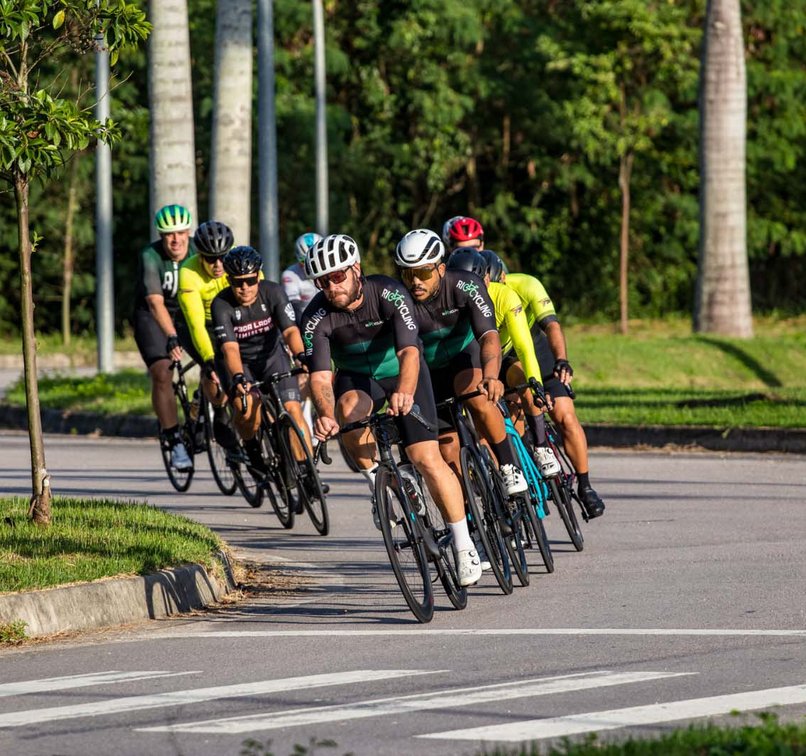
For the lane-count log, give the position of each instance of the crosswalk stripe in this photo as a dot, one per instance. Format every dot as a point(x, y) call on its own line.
point(596, 721)
point(442, 699)
point(48, 684)
point(199, 695)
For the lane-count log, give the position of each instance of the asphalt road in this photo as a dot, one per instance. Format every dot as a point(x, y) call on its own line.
point(688, 600)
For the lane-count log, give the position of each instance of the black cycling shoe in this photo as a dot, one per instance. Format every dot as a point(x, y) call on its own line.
point(594, 506)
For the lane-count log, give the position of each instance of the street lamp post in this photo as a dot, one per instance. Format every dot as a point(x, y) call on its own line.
point(322, 210)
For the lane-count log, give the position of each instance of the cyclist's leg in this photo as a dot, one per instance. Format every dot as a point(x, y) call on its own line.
point(357, 396)
point(151, 343)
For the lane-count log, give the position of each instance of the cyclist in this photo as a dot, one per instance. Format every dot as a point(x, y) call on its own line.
point(201, 278)
point(298, 288)
point(366, 326)
point(462, 232)
point(252, 323)
point(158, 322)
point(557, 373)
point(461, 345)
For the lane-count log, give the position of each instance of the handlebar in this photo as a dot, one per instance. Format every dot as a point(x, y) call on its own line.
point(381, 417)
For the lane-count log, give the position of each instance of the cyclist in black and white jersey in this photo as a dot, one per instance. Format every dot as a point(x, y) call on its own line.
point(462, 349)
point(365, 326)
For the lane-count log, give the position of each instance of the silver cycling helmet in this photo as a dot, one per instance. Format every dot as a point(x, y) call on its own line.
point(334, 252)
point(303, 245)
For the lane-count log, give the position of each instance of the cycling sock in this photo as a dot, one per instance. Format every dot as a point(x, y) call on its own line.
point(461, 535)
point(504, 453)
point(583, 480)
point(369, 473)
point(537, 426)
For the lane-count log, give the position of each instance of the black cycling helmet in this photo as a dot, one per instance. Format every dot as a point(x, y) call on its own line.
point(469, 260)
point(495, 265)
point(213, 239)
point(242, 261)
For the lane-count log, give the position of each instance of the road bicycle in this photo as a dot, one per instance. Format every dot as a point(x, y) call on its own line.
point(414, 532)
point(285, 473)
point(485, 512)
point(196, 433)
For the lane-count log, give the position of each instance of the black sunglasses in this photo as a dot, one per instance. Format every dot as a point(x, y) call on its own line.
point(237, 283)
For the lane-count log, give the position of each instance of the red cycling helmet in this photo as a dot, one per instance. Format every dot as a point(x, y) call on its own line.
point(465, 229)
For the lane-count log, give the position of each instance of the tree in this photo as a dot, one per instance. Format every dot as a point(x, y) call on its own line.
point(170, 98)
point(231, 155)
point(38, 131)
point(722, 300)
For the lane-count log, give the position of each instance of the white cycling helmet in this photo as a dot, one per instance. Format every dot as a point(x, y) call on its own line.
point(303, 245)
point(446, 230)
point(419, 247)
point(334, 252)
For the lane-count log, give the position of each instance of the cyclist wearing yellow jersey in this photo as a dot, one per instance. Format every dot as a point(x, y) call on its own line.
point(201, 278)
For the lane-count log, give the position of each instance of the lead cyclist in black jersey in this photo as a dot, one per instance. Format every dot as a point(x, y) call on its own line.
point(461, 346)
point(366, 326)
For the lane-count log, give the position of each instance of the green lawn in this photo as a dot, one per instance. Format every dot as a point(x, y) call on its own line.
point(90, 539)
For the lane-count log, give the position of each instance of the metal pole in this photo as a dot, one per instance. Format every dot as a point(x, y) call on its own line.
point(105, 287)
point(322, 210)
point(267, 143)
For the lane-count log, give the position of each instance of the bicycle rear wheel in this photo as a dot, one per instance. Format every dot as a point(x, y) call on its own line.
point(404, 546)
point(274, 484)
point(217, 455)
point(514, 543)
point(562, 500)
point(484, 526)
point(537, 532)
point(309, 485)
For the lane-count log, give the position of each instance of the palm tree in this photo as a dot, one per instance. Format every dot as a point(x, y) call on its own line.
point(722, 303)
point(173, 151)
point(231, 161)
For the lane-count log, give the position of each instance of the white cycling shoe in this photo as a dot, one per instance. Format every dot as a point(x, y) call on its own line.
point(514, 480)
point(469, 567)
point(547, 461)
point(180, 459)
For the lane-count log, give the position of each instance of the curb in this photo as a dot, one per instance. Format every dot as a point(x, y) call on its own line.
point(81, 423)
point(116, 601)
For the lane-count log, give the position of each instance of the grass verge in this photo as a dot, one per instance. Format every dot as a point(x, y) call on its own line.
point(91, 539)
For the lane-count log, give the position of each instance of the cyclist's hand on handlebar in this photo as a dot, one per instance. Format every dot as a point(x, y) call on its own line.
point(301, 361)
point(174, 348)
point(492, 388)
point(563, 371)
point(400, 403)
point(325, 427)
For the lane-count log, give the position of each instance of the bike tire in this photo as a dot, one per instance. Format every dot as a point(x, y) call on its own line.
point(217, 455)
point(274, 484)
point(309, 484)
point(515, 549)
point(180, 479)
point(404, 546)
point(562, 501)
point(538, 533)
point(480, 521)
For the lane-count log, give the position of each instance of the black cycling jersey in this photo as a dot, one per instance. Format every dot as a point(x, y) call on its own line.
point(460, 312)
point(365, 340)
point(257, 328)
point(157, 274)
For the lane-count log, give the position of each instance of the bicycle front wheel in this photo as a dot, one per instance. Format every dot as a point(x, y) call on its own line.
point(217, 455)
point(309, 485)
point(537, 531)
point(445, 560)
point(565, 506)
point(274, 484)
point(514, 543)
point(404, 545)
point(180, 479)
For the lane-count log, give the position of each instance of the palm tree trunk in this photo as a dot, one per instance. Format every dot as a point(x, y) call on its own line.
point(170, 96)
point(39, 510)
point(722, 301)
point(231, 161)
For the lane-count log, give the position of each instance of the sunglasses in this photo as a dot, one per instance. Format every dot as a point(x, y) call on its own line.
point(422, 274)
point(336, 277)
point(213, 260)
point(237, 283)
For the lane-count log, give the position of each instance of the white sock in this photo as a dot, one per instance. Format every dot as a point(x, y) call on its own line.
point(307, 409)
point(461, 535)
point(369, 473)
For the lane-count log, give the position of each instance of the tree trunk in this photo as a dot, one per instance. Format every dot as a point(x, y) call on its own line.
point(170, 99)
point(722, 301)
point(69, 256)
point(231, 160)
point(624, 176)
point(39, 510)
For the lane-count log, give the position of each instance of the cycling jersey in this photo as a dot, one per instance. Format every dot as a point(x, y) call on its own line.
point(256, 328)
point(365, 340)
point(539, 311)
point(197, 289)
point(460, 312)
point(157, 274)
point(298, 288)
point(514, 328)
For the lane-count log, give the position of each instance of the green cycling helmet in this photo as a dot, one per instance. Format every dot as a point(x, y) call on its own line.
point(172, 218)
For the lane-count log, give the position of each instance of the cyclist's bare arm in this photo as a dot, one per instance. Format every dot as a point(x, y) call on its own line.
point(490, 356)
point(325, 403)
point(156, 304)
point(293, 340)
point(402, 400)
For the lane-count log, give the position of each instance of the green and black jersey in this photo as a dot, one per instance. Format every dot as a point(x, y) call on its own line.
point(157, 274)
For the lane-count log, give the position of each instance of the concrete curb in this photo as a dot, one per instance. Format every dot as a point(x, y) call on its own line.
point(117, 601)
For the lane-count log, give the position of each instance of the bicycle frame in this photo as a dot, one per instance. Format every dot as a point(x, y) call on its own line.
point(538, 490)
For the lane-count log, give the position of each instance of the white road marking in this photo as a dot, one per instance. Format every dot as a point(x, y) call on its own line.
point(68, 682)
point(441, 699)
point(614, 719)
point(419, 633)
point(199, 695)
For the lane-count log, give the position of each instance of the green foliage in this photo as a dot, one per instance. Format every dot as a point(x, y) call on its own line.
point(12, 633)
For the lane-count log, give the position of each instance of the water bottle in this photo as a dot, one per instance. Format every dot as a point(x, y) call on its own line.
point(194, 406)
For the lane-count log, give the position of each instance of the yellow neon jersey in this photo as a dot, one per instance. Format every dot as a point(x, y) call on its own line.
point(197, 290)
point(536, 302)
point(514, 328)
